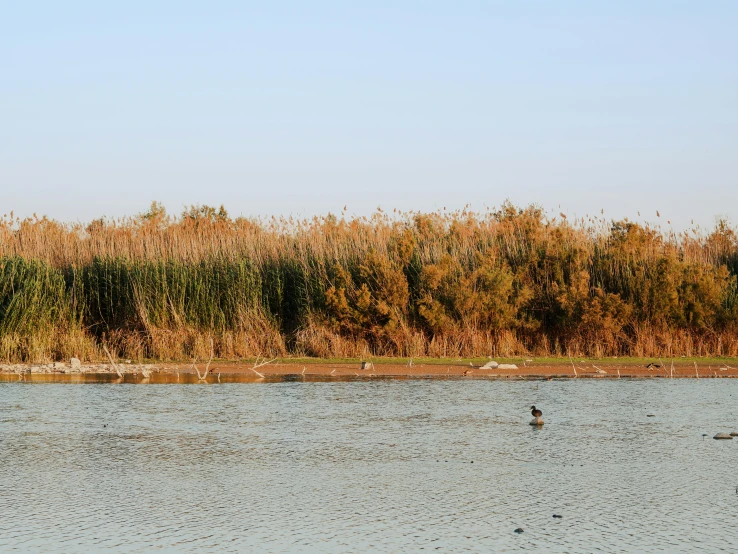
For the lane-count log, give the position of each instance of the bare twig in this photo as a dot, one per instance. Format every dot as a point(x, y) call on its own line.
point(204, 376)
point(257, 364)
point(194, 366)
point(212, 354)
point(115, 366)
point(262, 363)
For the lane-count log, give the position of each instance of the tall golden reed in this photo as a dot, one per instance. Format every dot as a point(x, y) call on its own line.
point(506, 282)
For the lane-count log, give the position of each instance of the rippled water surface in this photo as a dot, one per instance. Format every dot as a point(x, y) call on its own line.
point(384, 465)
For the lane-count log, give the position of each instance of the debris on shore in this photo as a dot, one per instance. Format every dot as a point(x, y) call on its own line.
point(75, 366)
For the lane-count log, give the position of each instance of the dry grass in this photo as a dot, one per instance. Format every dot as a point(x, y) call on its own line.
point(503, 283)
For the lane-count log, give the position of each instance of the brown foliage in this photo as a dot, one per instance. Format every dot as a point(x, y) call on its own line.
point(507, 282)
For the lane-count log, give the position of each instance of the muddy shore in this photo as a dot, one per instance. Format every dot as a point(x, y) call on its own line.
point(564, 369)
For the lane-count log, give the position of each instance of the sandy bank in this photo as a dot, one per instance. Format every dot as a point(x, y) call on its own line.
point(590, 369)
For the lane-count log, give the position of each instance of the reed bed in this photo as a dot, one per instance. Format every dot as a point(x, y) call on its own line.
point(510, 281)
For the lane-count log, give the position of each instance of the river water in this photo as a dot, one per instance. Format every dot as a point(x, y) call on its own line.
point(369, 465)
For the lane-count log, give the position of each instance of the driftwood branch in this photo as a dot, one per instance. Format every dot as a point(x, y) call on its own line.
point(204, 376)
point(599, 370)
point(264, 362)
point(115, 366)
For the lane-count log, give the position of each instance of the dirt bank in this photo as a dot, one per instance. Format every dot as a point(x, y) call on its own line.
point(546, 370)
point(564, 369)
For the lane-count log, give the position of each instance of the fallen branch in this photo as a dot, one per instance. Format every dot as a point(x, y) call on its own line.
point(115, 366)
point(204, 376)
point(194, 366)
point(263, 363)
point(257, 364)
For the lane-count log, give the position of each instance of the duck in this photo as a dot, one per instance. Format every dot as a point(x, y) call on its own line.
point(534, 412)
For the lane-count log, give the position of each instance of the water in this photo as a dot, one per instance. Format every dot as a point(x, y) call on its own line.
point(382, 465)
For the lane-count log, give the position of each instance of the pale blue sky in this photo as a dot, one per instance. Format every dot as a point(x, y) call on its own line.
point(302, 108)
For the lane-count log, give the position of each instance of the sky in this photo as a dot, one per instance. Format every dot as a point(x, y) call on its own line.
point(302, 108)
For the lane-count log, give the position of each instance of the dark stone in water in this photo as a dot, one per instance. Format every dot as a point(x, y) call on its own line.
point(519, 530)
point(557, 516)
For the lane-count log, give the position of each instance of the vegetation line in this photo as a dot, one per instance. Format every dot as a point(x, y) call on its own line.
point(508, 282)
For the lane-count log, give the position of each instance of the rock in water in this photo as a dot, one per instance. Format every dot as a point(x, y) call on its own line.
point(734, 434)
point(519, 530)
point(490, 365)
point(75, 363)
point(536, 421)
point(722, 436)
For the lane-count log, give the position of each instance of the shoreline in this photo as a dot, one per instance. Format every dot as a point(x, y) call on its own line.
point(600, 369)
